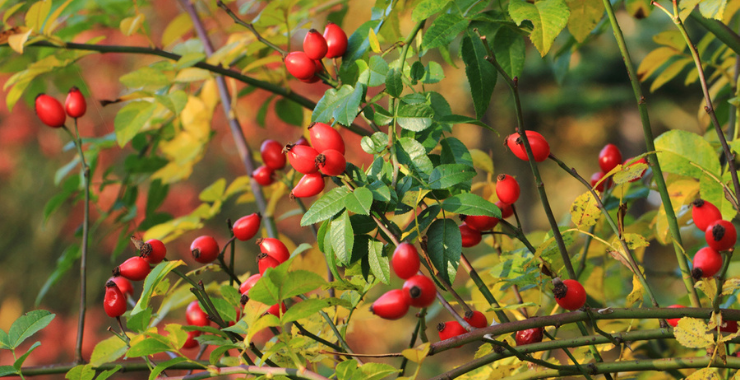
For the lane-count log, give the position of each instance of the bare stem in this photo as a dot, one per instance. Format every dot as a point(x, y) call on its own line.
point(502, 318)
point(653, 158)
point(250, 27)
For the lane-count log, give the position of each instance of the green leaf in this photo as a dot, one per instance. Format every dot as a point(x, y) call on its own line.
point(374, 144)
point(346, 370)
point(108, 373)
point(481, 73)
point(427, 8)
point(446, 176)
point(445, 247)
point(80, 372)
point(548, 17)
point(164, 365)
point(359, 201)
point(713, 8)
point(4, 340)
point(18, 363)
point(213, 192)
point(375, 73)
point(412, 154)
point(225, 309)
point(140, 321)
point(299, 282)
point(342, 105)
point(6, 370)
point(359, 42)
point(379, 264)
point(107, 351)
point(216, 354)
point(443, 30)
point(156, 196)
point(231, 295)
point(424, 219)
point(27, 325)
point(470, 204)
point(152, 280)
point(509, 49)
point(460, 119)
point(455, 152)
point(326, 207)
point(65, 262)
point(146, 347)
point(415, 117)
point(130, 119)
point(394, 83)
point(584, 15)
point(677, 149)
point(289, 111)
point(265, 290)
point(267, 320)
point(433, 73)
point(307, 308)
point(144, 77)
point(377, 371)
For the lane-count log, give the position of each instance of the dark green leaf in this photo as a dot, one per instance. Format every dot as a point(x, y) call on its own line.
point(445, 247)
point(374, 144)
point(508, 47)
point(481, 73)
point(455, 152)
point(289, 111)
point(362, 224)
point(27, 325)
point(4, 340)
point(417, 72)
point(446, 176)
point(424, 219)
point(433, 73)
point(6, 370)
point(415, 117)
point(342, 237)
point(359, 201)
point(262, 112)
point(140, 321)
point(231, 295)
point(380, 191)
point(156, 195)
point(394, 83)
point(443, 30)
point(358, 42)
point(470, 204)
point(224, 309)
point(326, 207)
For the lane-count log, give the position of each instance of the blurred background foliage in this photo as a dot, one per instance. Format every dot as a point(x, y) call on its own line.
point(579, 110)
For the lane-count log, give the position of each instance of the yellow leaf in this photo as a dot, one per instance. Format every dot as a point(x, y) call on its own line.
point(226, 54)
point(730, 285)
point(416, 354)
point(708, 286)
point(267, 320)
point(654, 60)
point(37, 14)
point(130, 25)
point(17, 41)
point(584, 212)
point(671, 38)
point(692, 333)
point(261, 62)
point(637, 293)
point(669, 73)
point(278, 190)
point(481, 160)
point(635, 241)
point(704, 374)
point(372, 38)
point(176, 29)
point(239, 185)
point(628, 173)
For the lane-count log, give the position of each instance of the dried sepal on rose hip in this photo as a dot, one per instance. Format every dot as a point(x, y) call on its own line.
point(476, 319)
point(204, 249)
point(721, 235)
point(421, 289)
point(569, 294)
point(265, 261)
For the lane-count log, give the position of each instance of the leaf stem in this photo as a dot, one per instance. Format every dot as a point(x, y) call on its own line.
point(481, 285)
point(653, 158)
point(251, 28)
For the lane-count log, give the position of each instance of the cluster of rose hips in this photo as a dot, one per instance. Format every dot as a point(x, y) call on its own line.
point(507, 190)
point(609, 157)
point(719, 234)
point(324, 158)
point(51, 112)
point(306, 64)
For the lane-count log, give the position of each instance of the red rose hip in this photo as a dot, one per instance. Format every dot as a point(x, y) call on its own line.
point(314, 45)
point(674, 321)
point(300, 65)
point(707, 262)
point(609, 158)
point(275, 248)
point(392, 305)
point(721, 235)
point(331, 162)
point(265, 261)
point(481, 222)
point(153, 251)
point(246, 227)
point(195, 316)
point(569, 294)
point(470, 237)
point(50, 111)
point(336, 41)
point(75, 104)
point(529, 336)
point(704, 213)
point(302, 158)
point(310, 185)
point(507, 189)
point(476, 319)
point(421, 289)
point(114, 302)
point(405, 261)
point(272, 154)
point(263, 175)
point(325, 137)
point(134, 269)
point(204, 249)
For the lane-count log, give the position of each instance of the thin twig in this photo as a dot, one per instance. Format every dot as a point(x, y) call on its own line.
point(250, 27)
point(502, 318)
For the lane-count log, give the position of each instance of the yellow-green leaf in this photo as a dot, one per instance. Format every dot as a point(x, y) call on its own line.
point(373, 39)
point(548, 17)
point(704, 374)
point(669, 73)
point(416, 354)
point(52, 23)
point(637, 293)
point(267, 320)
point(671, 38)
point(17, 41)
point(130, 25)
point(37, 14)
point(192, 74)
point(585, 211)
point(584, 15)
point(481, 160)
point(692, 333)
point(635, 241)
point(654, 60)
point(176, 29)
